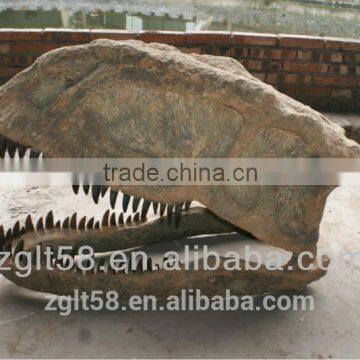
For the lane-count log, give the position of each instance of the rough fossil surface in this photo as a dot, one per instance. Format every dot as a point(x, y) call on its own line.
point(130, 99)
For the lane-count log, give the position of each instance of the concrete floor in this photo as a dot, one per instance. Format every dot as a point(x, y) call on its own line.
point(332, 330)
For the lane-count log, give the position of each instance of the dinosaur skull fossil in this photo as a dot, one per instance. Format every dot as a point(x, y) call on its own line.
point(129, 99)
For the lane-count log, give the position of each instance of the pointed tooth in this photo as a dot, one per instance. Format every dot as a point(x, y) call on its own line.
point(155, 206)
point(135, 204)
point(125, 202)
point(178, 209)
point(105, 219)
point(145, 209)
point(113, 197)
point(187, 205)
point(121, 218)
point(103, 190)
point(40, 224)
point(21, 150)
point(29, 226)
point(58, 224)
point(82, 223)
point(49, 220)
point(66, 223)
point(90, 223)
point(170, 209)
point(16, 230)
point(86, 189)
point(11, 148)
point(2, 147)
point(113, 219)
point(97, 225)
point(8, 236)
point(2, 235)
point(162, 209)
point(19, 247)
point(73, 221)
point(136, 217)
point(75, 189)
point(95, 192)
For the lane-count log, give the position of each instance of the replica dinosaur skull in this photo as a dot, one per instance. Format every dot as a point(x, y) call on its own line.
point(128, 99)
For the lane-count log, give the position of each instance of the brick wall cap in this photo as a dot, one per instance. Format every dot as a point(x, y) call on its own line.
point(249, 38)
point(112, 31)
point(252, 34)
point(27, 30)
point(65, 30)
point(162, 32)
point(61, 30)
point(207, 32)
point(305, 37)
point(344, 40)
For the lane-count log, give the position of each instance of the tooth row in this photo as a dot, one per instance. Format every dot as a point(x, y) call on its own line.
point(108, 220)
point(141, 206)
point(13, 150)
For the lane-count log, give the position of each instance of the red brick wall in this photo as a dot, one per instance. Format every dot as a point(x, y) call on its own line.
point(319, 71)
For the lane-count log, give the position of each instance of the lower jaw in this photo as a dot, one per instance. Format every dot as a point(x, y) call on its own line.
point(163, 283)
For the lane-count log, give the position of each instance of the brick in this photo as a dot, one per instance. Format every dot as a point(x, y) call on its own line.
point(260, 76)
point(217, 50)
point(305, 67)
point(289, 78)
point(299, 79)
point(305, 55)
point(167, 37)
point(4, 49)
point(317, 55)
point(239, 51)
point(66, 35)
point(273, 66)
point(344, 69)
point(334, 69)
point(20, 60)
point(254, 65)
point(33, 47)
point(272, 78)
point(279, 54)
point(336, 57)
point(305, 90)
point(257, 53)
point(303, 79)
point(351, 69)
point(208, 37)
point(113, 34)
point(335, 80)
point(342, 44)
point(254, 39)
point(20, 34)
point(335, 93)
point(350, 58)
point(8, 72)
point(301, 41)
